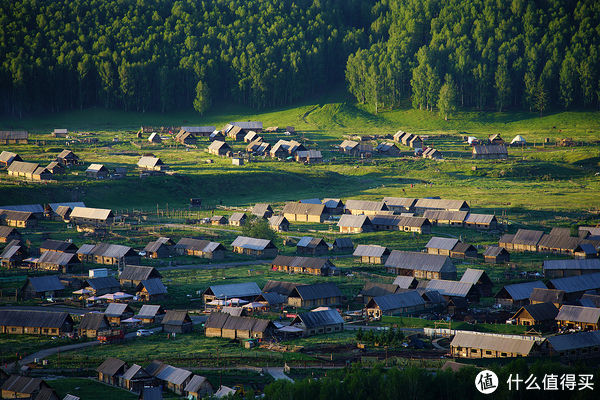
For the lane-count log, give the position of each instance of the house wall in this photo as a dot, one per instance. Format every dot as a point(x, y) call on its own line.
point(469, 352)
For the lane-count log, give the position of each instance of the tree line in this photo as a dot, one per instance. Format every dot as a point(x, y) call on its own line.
point(483, 54)
point(160, 55)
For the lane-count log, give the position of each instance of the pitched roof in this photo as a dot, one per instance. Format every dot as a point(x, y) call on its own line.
point(575, 341)
point(46, 283)
point(72, 204)
point(590, 315)
point(148, 311)
point(583, 264)
point(302, 262)
point(445, 215)
point(579, 283)
point(527, 237)
point(248, 124)
point(558, 241)
point(94, 321)
point(502, 343)
point(149, 162)
point(8, 157)
point(353, 221)
point(33, 318)
point(490, 149)
point(366, 205)
point(374, 289)
point(472, 275)
point(398, 220)
point(198, 245)
point(281, 287)
point(198, 129)
point(277, 220)
point(304, 209)
point(56, 245)
point(105, 282)
point(493, 251)
point(245, 289)
point(441, 243)
point(450, 288)
point(153, 286)
point(91, 213)
point(6, 231)
point(363, 250)
point(479, 218)
point(441, 204)
point(66, 153)
point(406, 202)
point(419, 261)
point(404, 282)
point(252, 243)
point(343, 243)
point(522, 291)
point(218, 145)
point(56, 258)
point(22, 384)
point(310, 242)
point(315, 319)
point(543, 295)
point(23, 167)
point(174, 375)
point(261, 208)
point(272, 298)
point(138, 273)
point(309, 154)
point(116, 309)
point(590, 300)
point(237, 217)
point(176, 317)
point(395, 301)
point(195, 384)
point(316, 291)
point(540, 311)
point(134, 370)
point(111, 366)
point(27, 208)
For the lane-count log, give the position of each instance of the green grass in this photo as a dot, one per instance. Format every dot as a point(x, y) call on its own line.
point(88, 389)
point(407, 322)
point(15, 347)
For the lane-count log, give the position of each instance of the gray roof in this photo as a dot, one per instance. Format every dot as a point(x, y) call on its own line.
point(395, 301)
point(91, 213)
point(404, 282)
point(94, 321)
point(311, 201)
point(14, 135)
point(46, 283)
point(595, 231)
point(277, 220)
point(332, 203)
point(315, 319)
point(316, 291)
point(579, 283)
point(133, 371)
point(575, 341)
point(176, 317)
point(248, 124)
point(365, 205)
point(590, 300)
point(309, 154)
point(490, 149)
point(23, 167)
point(450, 288)
point(148, 311)
point(479, 218)
point(32, 208)
point(232, 290)
point(198, 129)
point(72, 204)
point(237, 217)
point(33, 318)
point(542, 295)
point(406, 202)
point(310, 242)
point(111, 366)
point(252, 243)
point(472, 275)
point(149, 162)
point(304, 208)
point(343, 243)
point(195, 383)
point(441, 204)
point(302, 262)
point(282, 287)
point(441, 243)
point(398, 220)
point(419, 261)
point(363, 250)
point(71, 397)
point(105, 282)
point(139, 273)
point(374, 289)
point(152, 393)
point(522, 291)
point(56, 245)
point(174, 375)
point(8, 156)
point(5, 231)
point(116, 309)
point(260, 208)
point(590, 263)
point(527, 237)
point(353, 221)
point(541, 311)
point(493, 251)
point(56, 258)
point(154, 286)
point(590, 315)
point(22, 384)
point(271, 297)
point(486, 341)
point(444, 215)
point(198, 245)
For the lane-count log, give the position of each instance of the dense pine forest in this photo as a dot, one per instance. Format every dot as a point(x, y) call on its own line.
point(158, 55)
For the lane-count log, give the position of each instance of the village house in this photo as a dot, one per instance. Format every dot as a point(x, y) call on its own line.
point(590, 300)
point(108, 254)
point(135, 378)
point(7, 157)
point(22, 169)
point(565, 268)
point(523, 240)
point(376, 289)
point(420, 265)
point(371, 254)
point(481, 221)
point(219, 148)
point(558, 243)
point(354, 224)
point(333, 206)
point(133, 275)
point(312, 246)
point(517, 295)
point(229, 326)
point(57, 261)
point(262, 210)
point(495, 139)
point(286, 148)
point(400, 204)
point(13, 254)
point(91, 216)
point(14, 137)
point(218, 220)
point(490, 152)
point(245, 126)
point(309, 156)
point(422, 205)
point(197, 131)
point(116, 312)
point(450, 247)
point(304, 265)
point(245, 291)
point(252, 136)
point(93, 323)
point(55, 168)
point(150, 314)
point(496, 255)
point(151, 290)
point(586, 250)
point(102, 285)
point(18, 219)
point(480, 279)
point(61, 246)
point(171, 378)
point(315, 295)
point(8, 234)
point(284, 288)
point(304, 212)
point(404, 303)
point(488, 345)
point(540, 295)
point(319, 322)
point(443, 217)
point(200, 248)
point(343, 245)
point(575, 286)
point(97, 171)
point(387, 149)
point(453, 289)
point(30, 322)
point(177, 322)
point(154, 138)
point(271, 301)
point(186, 138)
point(579, 317)
point(258, 148)
point(432, 153)
point(540, 316)
point(401, 223)
point(365, 207)
point(159, 248)
point(575, 346)
point(198, 388)
point(151, 163)
point(60, 133)
point(279, 223)
point(355, 149)
point(406, 282)
point(254, 247)
point(25, 387)
point(238, 219)
point(48, 286)
point(67, 158)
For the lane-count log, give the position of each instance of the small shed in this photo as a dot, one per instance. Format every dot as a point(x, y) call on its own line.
point(496, 255)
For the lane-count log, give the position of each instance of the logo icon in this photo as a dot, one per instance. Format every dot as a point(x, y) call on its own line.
point(486, 382)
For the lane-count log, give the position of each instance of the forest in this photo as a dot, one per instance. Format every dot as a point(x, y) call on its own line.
point(159, 55)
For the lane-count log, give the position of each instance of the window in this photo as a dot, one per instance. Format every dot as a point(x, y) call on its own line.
point(488, 352)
